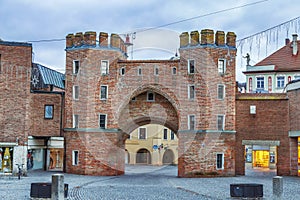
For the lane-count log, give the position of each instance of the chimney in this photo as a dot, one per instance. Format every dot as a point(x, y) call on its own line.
point(207, 36)
point(220, 38)
point(90, 38)
point(103, 39)
point(184, 39)
point(69, 40)
point(115, 40)
point(194, 38)
point(287, 41)
point(231, 39)
point(78, 39)
point(295, 44)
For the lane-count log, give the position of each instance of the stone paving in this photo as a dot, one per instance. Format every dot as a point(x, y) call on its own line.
point(147, 182)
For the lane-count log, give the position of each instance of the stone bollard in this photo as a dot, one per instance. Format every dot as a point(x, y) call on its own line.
point(57, 188)
point(277, 187)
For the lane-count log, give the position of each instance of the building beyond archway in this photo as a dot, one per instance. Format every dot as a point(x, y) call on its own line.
point(168, 157)
point(143, 156)
point(107, 97)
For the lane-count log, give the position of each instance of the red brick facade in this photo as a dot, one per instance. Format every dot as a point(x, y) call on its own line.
point(169, 81)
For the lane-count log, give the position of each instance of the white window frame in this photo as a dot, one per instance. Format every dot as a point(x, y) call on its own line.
point(222, 161)
point(75, 94)
point(48, 111)
point(223, 122)
point(218, 92)
point(104, 69)
point(104, 96)
point(221, 66)
point(150, 100)
point(280, 83)
point(122, 71)
point(191, 95)
point(105, 122)
point(145, 133)
point(174, 70)
point(75, 121)
point(76, 71)
point(156, 70)
point(139, 71)
point(189, 122)
point(296, 76)
point(75, 157)
point(165, 133)
point(261, 81)
point(190, 71)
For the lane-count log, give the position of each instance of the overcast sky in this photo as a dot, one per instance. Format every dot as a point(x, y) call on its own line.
point(32, 20)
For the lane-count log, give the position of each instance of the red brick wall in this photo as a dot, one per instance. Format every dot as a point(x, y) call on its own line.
point(271, 122)
point(15, 91)
point(41, 126)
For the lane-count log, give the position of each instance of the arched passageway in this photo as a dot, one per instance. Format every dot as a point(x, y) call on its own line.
point(168, 157)
point(143, 156)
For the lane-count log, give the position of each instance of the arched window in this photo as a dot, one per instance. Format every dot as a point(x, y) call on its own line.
point(289, 79)
point(250, 85)
point(270, 84)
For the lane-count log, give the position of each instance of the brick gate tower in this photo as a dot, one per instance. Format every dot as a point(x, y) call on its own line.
point(108, 96)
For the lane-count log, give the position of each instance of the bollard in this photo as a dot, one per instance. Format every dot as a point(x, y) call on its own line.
point(57, 188)
point(277, 187)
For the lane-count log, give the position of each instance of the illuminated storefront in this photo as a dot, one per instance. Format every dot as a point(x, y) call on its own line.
point(261, 156)
point(6, 158)
point(298, 156)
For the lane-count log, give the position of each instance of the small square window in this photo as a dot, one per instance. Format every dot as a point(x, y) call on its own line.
point(48, 112)
point(75, 157)
point(221, 92)
point(174, 70)
point(220, 161)
point(133, 99)
point(102, 121)
point(103, 92)
point(221, 66)
point(142, 133)
point(220, 122)
point(150, 96)
point(191, 91)
point(191, 122)
point(165, 134)
point(191, 66)
point(76, 92)
point(76, 65)
point(75, 121)
point(280, 81)
point(104, 67)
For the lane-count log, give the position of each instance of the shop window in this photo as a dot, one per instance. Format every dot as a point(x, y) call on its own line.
point(165, 134)
point(103, 92)
point(48, 111)
point(75, 157)
point(191, 122)
point(104, 67)
point(221, 66)
point(6, 158)
point(75, 92)
point(220, 161)
point(150, 96)
point(75, 121)
point(220, 122)
point(76, 65)
point(142, 133)
point(191, 66)
point(102, 121)
point(174, 70)
point(221, 92)
point(191, 92)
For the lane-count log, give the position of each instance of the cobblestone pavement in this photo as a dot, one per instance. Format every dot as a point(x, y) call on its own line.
point(147, 182)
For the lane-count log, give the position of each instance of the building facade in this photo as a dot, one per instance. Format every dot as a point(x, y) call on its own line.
point(152, 144)
point(272, 74)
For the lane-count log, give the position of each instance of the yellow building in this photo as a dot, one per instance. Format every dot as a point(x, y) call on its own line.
point(151, 144)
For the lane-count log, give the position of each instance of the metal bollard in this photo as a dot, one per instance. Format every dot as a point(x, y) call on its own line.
point(277, 187)
point(57, 188)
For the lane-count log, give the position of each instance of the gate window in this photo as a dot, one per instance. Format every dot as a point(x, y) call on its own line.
point(191, 66)
point(142, 133)
point(75, 157)
point(191, 122)
point(48, 111)
point(220, 161)
point(165, 134)
point(102, 121)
